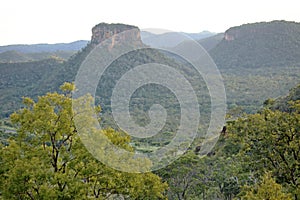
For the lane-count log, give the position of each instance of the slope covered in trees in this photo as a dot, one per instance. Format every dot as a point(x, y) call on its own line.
point(282, 103)
point(38, 48)
point(16, 57)
point(255, 153)
point(25, 79)
point(247, 87)
point(258, 61)
point(256, 157)
point(47, 160)
point(264, 44)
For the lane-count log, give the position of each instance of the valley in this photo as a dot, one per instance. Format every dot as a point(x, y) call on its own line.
point(260, 68)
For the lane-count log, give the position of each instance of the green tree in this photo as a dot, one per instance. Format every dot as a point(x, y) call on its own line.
point(187, 177)
point(270, 140)
point(47, 159)
point(266, 189)
point(208, 177)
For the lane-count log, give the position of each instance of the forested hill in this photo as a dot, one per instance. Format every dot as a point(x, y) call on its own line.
point(263, 44)
point(35, 52)
point(37, 48)
point(17, 57)
point(256, 157)
point(35, 78)
point(283, 103)
point(26, 79)
point(257, 61)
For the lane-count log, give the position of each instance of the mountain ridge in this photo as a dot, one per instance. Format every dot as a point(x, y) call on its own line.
point(246, 86)
point(79, 44)
point(274, 43)
point(44, 47)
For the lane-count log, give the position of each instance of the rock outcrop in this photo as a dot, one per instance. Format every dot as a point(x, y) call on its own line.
point(104, 31)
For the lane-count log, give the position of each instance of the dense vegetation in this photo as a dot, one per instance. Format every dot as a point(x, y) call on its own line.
point(257, 61)
point(247, 89)
point(256, 157)
point(52, 76)
point(281, 103)
point(23, 79)
point(47, 160)
point(15, 57)
point(258, 153)
point(247, 86)
point(275, 43)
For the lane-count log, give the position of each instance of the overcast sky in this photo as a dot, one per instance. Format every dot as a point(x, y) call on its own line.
point(53, 21)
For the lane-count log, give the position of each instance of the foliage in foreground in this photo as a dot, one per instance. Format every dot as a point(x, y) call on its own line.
point(270, 141)
point(267, 189)
point(47, 160)
point(256, 158)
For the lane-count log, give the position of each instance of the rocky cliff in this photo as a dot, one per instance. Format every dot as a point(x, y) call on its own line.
point(103, 31)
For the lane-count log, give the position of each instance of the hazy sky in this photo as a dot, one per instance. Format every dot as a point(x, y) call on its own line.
point(53, 21)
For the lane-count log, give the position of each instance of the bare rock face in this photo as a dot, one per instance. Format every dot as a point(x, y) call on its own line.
point(228, 36)
point(238, 33)
point(103, 31)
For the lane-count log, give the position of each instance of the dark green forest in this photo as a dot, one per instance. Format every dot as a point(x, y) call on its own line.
point(257, 155)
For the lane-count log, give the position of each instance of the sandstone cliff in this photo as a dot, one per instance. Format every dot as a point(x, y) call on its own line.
point(103, 31)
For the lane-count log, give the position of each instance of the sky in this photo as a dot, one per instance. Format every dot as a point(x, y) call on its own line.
point(56, 21)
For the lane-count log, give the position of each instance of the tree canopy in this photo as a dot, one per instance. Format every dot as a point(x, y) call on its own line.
point(47, 160)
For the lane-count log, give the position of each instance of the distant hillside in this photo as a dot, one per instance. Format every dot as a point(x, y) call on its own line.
point(275, 43)
point(171, 39)
point(26, 79)
point(36, 78)
point(257, 61)
point(37, 48)
point(282, 103)
point(212, 41)
point(207, 43)
point(15, 56)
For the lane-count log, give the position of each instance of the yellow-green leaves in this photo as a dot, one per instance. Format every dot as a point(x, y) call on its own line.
point(47, 159)
point(271, 141)
point(266, 189)
point(67, 87)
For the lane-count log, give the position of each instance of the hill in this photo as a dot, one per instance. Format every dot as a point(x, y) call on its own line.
point(212, 41)
point(36, 78)
point(15, 56)
point(282, 103)
point(258, 61)
point(25, 79)
point(247, 85)
point(37, 48)
point(264, 44)
point(35, 52)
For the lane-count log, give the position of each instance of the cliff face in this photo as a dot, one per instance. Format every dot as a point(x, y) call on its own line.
point(246, 32)
point(104, 31)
